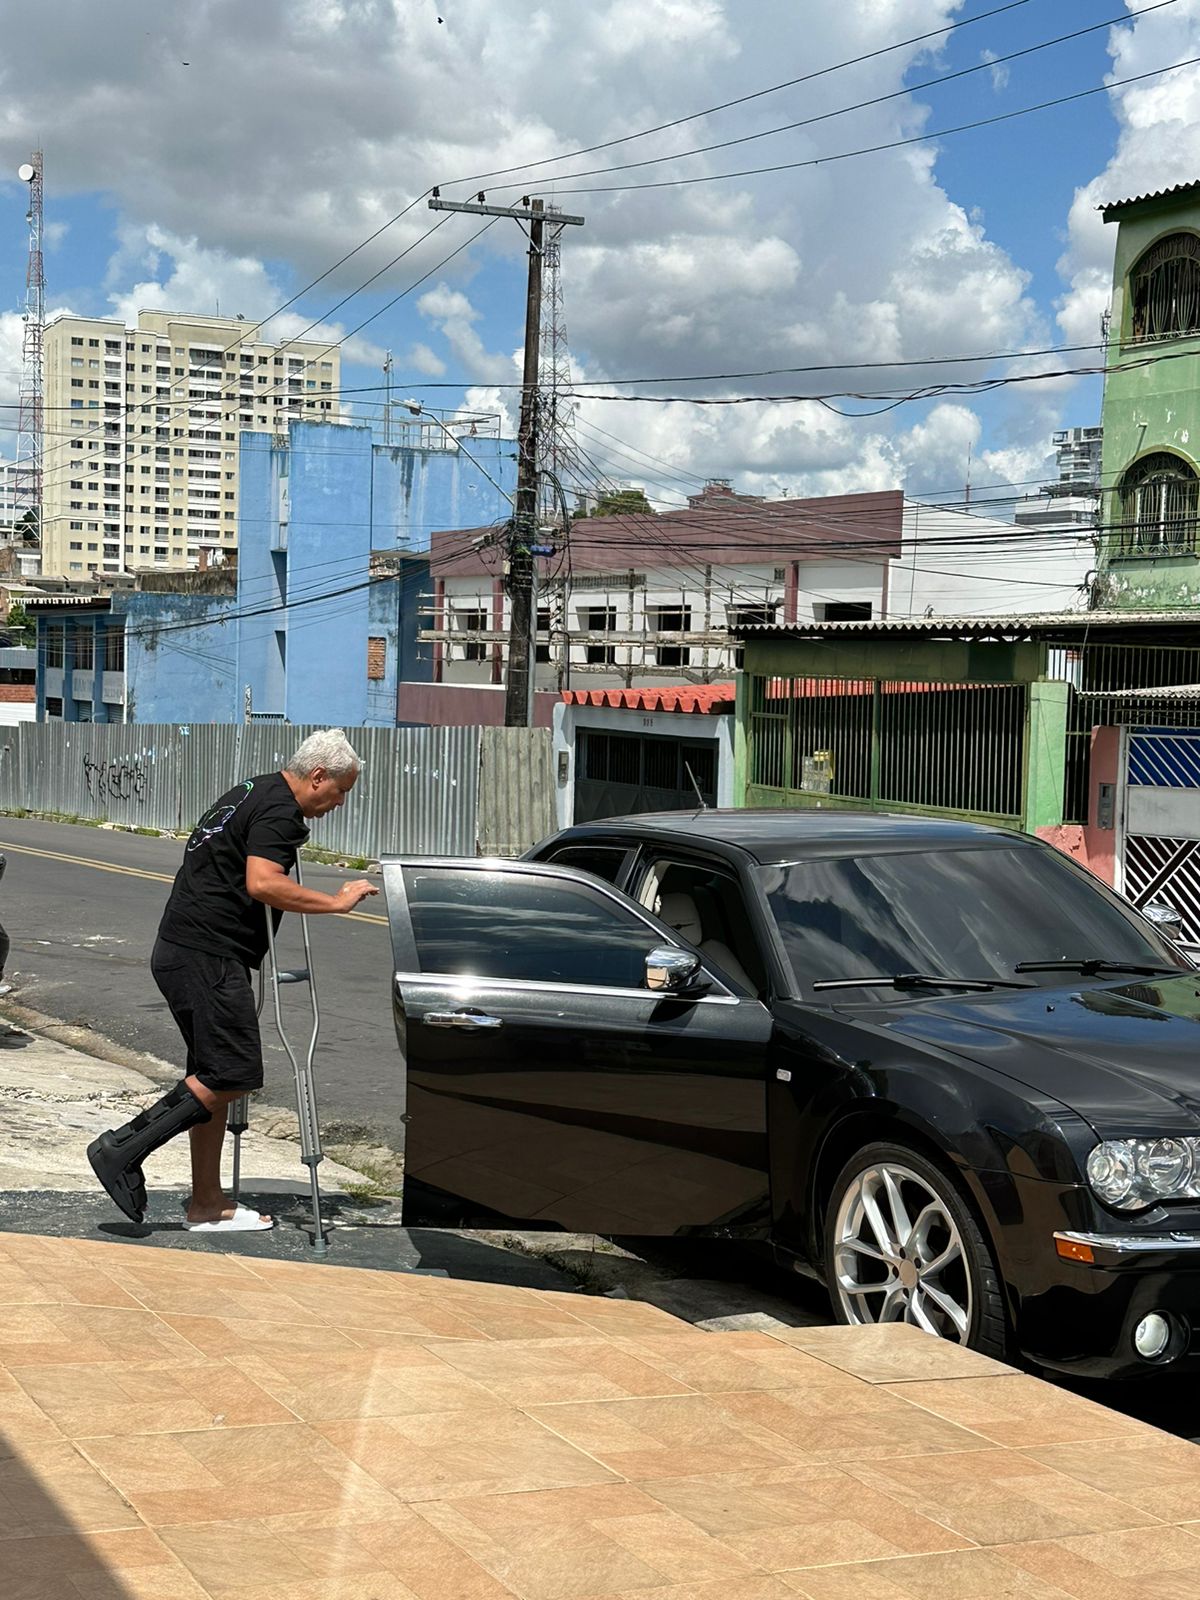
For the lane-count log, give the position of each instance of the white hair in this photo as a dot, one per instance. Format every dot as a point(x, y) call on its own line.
point(328, 748)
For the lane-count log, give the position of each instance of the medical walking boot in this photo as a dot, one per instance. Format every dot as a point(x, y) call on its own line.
point(116, 1157)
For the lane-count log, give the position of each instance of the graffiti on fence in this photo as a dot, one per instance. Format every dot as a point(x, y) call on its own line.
point(125, 778)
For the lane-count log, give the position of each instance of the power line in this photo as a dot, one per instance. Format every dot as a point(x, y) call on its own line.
point(890, 144)
point(741, 100)
point(860, 105)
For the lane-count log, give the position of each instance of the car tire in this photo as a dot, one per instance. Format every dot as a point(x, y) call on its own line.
point(902, 1244)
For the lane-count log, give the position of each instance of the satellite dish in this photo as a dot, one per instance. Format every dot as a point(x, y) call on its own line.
point(25, 172)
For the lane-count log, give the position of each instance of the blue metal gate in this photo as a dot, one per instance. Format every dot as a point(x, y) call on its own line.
point(1160, 852)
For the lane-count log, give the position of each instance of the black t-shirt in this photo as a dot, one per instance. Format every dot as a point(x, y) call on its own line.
point(209, 907)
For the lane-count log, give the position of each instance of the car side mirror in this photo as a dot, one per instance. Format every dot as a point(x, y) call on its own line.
point(1165, 918)
point(672, 971)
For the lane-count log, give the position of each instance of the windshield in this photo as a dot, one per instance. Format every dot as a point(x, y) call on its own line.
point(954, 913)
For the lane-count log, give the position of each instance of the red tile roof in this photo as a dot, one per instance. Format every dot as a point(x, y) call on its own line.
point(705, 698)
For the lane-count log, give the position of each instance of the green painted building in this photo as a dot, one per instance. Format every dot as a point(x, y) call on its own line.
point(1149, 554)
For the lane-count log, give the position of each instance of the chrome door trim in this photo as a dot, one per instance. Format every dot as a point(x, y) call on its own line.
point(467, 986)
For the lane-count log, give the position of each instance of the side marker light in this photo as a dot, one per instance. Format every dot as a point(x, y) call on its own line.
point(1073, 1250)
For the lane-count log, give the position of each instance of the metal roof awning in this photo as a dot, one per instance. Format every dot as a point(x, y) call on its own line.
point(1063, 626)
point(1152, 194)
point(1173, 694)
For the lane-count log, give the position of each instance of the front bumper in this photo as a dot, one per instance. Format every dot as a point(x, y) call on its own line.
point(1083, 1322)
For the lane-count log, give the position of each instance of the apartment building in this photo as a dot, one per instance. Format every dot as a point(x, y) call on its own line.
point(143, 429)
point(10, 512)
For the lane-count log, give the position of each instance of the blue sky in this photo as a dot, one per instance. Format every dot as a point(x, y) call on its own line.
point(295, 128)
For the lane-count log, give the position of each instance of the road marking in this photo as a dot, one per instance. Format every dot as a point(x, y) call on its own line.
point(139, 872)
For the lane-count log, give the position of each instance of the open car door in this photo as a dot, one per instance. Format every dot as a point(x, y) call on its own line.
point(549, 1085)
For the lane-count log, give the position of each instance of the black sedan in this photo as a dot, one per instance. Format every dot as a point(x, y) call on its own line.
point(937, 1064)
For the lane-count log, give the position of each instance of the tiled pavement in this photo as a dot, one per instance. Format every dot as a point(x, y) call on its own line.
point(176, 1425)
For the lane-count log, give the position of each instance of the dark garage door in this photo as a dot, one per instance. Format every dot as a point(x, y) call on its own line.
point(620, 773)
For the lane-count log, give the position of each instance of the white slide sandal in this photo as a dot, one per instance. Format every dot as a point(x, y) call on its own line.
point(243, 1220)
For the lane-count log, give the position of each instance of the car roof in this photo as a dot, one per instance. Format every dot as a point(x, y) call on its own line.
point(772, 834)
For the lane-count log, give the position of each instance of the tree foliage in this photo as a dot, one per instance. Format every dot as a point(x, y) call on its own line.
point(623, 503)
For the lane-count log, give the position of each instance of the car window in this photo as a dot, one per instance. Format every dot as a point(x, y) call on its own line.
point(518, 925)
point(707, 907)
point(954, 913)
point(602, 861)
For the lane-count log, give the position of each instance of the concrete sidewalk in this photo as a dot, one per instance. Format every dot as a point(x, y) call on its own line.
point(54, 1100)
point(181, 1425)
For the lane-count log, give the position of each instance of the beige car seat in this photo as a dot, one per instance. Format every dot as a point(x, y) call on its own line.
point(679, 911)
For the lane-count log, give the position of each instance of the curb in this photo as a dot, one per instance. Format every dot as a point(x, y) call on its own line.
point(275, 1122)
point(89, 1042)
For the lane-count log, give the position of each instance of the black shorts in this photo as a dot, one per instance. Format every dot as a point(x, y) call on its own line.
point(213, 1004)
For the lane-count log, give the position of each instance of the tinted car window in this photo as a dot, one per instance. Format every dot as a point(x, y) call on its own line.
point(518, 925)
point(953, 913)
point(602, 861)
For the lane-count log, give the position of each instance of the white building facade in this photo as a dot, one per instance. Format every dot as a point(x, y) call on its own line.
point(958, 563)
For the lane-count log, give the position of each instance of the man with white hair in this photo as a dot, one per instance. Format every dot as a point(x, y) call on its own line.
point(212, 933)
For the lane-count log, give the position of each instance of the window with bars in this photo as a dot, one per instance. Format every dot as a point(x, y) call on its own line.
point(670, 619)
point(54, 644)
point(1157, 502)
point(599, 619)
point(468, 620)
point(114, 649)
point(545, 622)
point(1165, 289)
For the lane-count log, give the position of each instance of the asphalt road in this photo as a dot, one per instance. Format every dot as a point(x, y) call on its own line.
point(82, 905)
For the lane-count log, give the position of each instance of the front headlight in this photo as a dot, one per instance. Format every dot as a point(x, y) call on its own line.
point(1131, 1173)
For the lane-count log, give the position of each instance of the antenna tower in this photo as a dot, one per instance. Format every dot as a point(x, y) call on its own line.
point(557, 435)
point(32, 390)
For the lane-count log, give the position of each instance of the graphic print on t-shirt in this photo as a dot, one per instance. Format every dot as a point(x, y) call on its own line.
point(210, 907)
point(213, 822)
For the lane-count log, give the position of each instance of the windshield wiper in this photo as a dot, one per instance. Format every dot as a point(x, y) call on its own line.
point(1089, 966)
point(919, 980)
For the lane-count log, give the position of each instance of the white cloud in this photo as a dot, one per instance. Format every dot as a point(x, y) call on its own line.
point(187, 276)
point(999, 73)
point(183, 275)
point(422, 359)
point(1158, 144)
point(331, 117)
point(451, 312)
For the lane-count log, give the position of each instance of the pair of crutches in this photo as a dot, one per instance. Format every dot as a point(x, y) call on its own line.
point(311, 1153)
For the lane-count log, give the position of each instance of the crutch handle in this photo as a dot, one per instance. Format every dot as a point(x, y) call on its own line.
point(297, 975)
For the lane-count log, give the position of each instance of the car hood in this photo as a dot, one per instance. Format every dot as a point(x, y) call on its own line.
point(1123, 1055)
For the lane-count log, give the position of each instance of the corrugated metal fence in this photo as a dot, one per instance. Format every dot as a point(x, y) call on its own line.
point(423, 791)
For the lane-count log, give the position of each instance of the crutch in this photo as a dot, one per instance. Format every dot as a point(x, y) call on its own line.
point(311, 1153)
point(238, 1119)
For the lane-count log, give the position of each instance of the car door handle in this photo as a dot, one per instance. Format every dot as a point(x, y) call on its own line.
point(460, 1019)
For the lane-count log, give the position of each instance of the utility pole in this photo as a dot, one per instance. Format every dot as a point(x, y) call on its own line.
point(522, 615)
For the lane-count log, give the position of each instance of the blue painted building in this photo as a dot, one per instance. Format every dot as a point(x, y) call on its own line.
point(332, 577)
point(133, 656)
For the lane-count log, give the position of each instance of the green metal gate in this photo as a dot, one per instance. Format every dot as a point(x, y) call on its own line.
point(889, 744)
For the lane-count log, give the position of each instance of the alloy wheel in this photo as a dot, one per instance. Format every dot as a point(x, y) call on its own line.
point(898, 1255)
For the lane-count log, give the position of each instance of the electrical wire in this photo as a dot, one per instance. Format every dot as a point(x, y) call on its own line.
point(890, 144)
point(860, 105)
point(741, 100)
